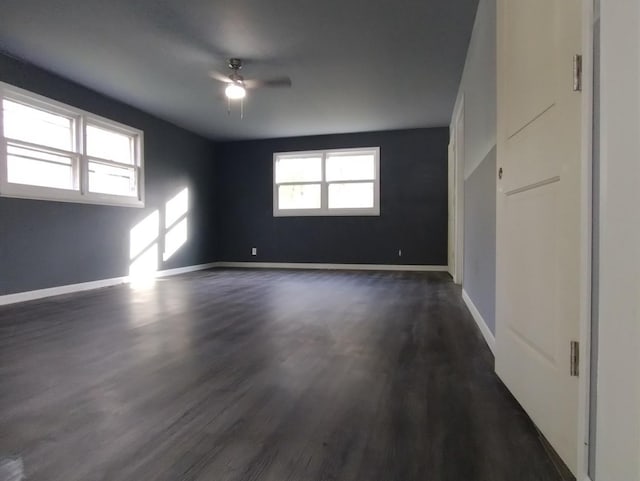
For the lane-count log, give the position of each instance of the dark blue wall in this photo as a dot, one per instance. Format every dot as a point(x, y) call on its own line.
point(413, 203)
point(45, 244)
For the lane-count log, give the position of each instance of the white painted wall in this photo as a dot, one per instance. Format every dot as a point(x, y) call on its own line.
point(478, 85)
point(478, 89)
point(618, 389)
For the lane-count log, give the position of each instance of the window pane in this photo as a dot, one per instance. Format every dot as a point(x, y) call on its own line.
point(107, 179)
point(299, 196)
point(34, 167)
point(305, 169)
point(354, 196)
point(36, 126)
point(109, 145)
point(351, 167)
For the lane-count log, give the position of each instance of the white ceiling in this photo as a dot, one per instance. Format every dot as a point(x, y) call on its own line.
point(356, 65)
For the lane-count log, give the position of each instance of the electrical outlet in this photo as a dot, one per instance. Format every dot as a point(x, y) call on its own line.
point(399, 252)
point(254, 251)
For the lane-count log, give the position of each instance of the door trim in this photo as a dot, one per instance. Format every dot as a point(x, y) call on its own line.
point(618, 329)
point(451, 202)
point(586, 248)
point(457, 138)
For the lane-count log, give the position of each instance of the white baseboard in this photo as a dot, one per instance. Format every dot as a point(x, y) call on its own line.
point(57, 291)
point(85, 286)
point(482, 324)
point(184, 270)
point(343, 267)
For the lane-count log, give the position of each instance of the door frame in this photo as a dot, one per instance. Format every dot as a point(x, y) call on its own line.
point(586, 238)
point(617, 447)
point(457, 141)
point(451, 203)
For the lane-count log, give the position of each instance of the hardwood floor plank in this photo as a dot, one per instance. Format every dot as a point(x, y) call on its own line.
point(241, 375)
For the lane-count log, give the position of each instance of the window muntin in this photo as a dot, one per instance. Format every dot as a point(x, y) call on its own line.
point(52, 151)
point(333, 182)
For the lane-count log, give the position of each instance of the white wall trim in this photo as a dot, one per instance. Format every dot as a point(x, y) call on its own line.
point(86, 286)
point(586, 237)
point(618, 384)
point(57, 291)
point(458, 137)
point(184, 270)
point(344, 267)
point(482, 324)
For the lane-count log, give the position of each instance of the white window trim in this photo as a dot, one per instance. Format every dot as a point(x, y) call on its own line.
point(324, 185)
point(82, 118)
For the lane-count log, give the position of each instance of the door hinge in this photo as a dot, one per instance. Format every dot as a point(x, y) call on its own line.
point(577, 73)
point(574, 368)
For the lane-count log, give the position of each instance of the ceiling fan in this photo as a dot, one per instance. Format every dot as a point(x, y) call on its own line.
point(237, 85)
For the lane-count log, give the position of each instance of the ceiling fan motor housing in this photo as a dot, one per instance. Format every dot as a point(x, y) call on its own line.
point(234, 64)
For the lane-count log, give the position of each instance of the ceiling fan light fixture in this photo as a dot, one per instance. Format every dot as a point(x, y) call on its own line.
point(235, 91)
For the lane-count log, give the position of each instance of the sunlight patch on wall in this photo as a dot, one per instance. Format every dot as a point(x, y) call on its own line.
point(143, 248)
point(146, 238)
point(176, 208)
point(175, 223)
point(175, 238)
point(144, 234)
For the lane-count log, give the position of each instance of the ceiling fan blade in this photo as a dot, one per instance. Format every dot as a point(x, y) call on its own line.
point(220, 77)
point(274, 82)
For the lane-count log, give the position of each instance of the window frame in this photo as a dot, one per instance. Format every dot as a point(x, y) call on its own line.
point(324, 209)
point(80, 159)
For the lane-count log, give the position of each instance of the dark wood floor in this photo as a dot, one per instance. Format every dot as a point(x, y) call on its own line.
point(260, 375)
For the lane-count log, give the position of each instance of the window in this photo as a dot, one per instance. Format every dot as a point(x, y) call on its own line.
point(51, 151)
point(323, 183)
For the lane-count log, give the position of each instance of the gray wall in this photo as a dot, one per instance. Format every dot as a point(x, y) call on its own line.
point(478, 87)
point(413, 203)
point(480, 232)
point(46, 244)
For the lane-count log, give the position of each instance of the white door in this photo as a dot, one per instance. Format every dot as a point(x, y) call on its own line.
point(451, 259)
point(538, 212)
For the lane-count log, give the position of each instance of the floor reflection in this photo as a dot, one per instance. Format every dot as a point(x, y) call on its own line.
point(11, 469)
